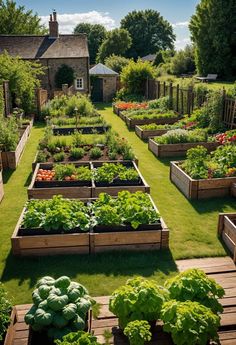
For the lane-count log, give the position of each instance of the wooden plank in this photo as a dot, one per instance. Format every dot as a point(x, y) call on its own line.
point(130, 237)
point(1, 186)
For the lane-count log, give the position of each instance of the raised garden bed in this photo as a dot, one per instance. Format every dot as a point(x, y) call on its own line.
point(47, 244)
point(83, 130)
point(1, 186)
point(202, 188)
point(146, 134)
point(68, 189)
point(227, 231)
point(131, 123)
point(177, 150)
point(119, 185)
point(11, 159)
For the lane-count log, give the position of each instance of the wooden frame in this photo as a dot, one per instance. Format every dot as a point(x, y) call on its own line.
point(177, 150)
point(146, 134)
point(227, 231)
point(233, 190)
point(114, 190)
point(11, 159)
point(130, 240)
point(200, 189)
point(1, 181)
point(48, 244)
point(131, 123)
point(81, 192)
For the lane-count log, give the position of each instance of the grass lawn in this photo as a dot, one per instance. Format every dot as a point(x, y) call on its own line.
point(193, 229)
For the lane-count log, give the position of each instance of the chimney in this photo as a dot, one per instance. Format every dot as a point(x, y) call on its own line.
point(53, 26)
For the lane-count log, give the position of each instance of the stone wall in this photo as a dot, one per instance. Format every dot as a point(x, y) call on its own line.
point(109, 88)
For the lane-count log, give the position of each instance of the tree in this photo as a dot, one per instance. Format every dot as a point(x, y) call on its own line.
point(117, 42)
point(213, 28)
point(149, 31)
point(116, 62)
point(96, 34)
point(16, 20)
point(64, 75)
point(183, 61)
point(23, 79)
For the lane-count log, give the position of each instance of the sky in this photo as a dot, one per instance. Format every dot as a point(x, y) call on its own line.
point(109, 13)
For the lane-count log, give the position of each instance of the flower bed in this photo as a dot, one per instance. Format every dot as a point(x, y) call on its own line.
point(68, 185)
point(122, 106)
point(11, 159)
point(112, 178)
point(178, 142)
point(227, 231)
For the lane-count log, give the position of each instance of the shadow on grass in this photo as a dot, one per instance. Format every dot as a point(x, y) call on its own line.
point(6, 175)
point(213, 204)
point(28, 180)
point(39, 124)
point(113, 264)
point(102, 106)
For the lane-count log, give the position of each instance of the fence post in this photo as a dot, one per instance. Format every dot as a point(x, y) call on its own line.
point(158, 89)
point(177, 98)
point(189, 100)
point(171, 95)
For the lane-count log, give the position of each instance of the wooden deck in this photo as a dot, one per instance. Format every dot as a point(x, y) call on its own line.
point(222, 270)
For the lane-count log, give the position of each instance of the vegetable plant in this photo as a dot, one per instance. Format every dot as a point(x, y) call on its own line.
point(59, 307)
point(189, 323)
point(59, 157)
point(70, 172)
point(138, 332)
point(182, 136)
point(95, 153)
point(77, 152)
point(109, 172)
point(139, 299)
point(195, 285)
point(77, 338)
point(5, 310)
point(56, 214)
point(9, 134)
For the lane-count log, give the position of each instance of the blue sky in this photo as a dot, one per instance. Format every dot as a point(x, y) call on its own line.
point(109, 13)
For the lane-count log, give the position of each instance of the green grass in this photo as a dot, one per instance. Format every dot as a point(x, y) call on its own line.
point(193, 229)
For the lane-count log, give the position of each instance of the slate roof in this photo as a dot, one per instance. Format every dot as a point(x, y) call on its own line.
point(150, 57)
point(101, 69)
point(43, 47)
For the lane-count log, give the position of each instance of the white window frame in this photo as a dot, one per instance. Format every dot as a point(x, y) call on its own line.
point(82, 83)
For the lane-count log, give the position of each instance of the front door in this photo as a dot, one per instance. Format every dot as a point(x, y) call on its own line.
point(97, 90)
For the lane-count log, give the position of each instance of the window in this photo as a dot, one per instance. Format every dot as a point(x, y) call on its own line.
point(79, 83)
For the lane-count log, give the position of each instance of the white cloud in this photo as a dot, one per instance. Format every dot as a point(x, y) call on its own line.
point(181, 43)
point(180, 25)
point(67, 22)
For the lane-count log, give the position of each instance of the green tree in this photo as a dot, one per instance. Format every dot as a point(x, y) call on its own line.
point(117, 42)
point(213, 28)
point(116, 62)
point(64, 75)
point(149, 31)
point(23, 79)
point(96, 34)
point(16, 20)
point(183, 61)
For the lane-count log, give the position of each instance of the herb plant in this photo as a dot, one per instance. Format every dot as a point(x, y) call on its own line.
point(95, 153)
point(77, 338)
point(138, 332)
point(189, 323)
point(182, 136)
point(139, 299)
point(77, 152)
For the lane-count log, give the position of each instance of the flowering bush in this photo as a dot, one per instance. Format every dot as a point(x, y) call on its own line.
point(131, 105)
point(227, 137)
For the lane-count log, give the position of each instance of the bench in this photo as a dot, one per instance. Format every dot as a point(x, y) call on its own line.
point(210, 77)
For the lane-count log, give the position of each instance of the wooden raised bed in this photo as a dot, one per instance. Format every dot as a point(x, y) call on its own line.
point(131, 123)
point(133, 240)
point(227, 231)
point(1, 186)
point(71, 190)
point(200, 189)
point(83, 130)
point(115, 110)
point(233, 189)
point(115, 189)
point(146, 134)
point(11, 159)
point(177, 150)
point(48, 244)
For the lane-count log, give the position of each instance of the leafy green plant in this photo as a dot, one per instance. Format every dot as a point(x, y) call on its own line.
point(77, 338)
point(138, 332)
point(77, 139)
point(112, 155)
point(5, 310)
point(64, 171)
point(42, 157)
point(189, 323)
point(139, 299)
point(56, 214)
point(195, 285)
point(162, 103)
point(77, 152)
point(182, 136)
point(95, 153)
point(59, 307)
point(142, 114)
point(109, 172)
point(9, 134)
point(59, 157)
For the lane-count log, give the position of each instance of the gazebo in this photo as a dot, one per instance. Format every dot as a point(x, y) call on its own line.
point(103, 83)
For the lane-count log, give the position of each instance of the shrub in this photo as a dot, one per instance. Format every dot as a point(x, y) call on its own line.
point(77, 153)
point(183, 61)
point(116, 62)
point(59, 157)
point(59, 307)
point(95, 153)
point(162, 103)
point(9, 134)
point(5, 310)
point(195, 285)
point(64, 75)
point(138, 332)
point(189, 323)
point(78, 338)
point(139, 299)
point(77, 139)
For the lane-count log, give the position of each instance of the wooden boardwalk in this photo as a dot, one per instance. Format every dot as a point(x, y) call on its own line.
point(105, 327)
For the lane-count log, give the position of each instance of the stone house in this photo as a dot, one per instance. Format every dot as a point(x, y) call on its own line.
point(103, 83)
point(52, 51)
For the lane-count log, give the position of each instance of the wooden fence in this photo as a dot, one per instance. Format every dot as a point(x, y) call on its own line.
point(41, 99)
point(185, 99)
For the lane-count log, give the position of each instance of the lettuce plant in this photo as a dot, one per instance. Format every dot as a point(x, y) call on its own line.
point(138, 332)
point(77, 338)
point(109, 172)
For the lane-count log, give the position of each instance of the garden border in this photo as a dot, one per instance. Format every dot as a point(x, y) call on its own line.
point(146, 134)
point(131, 123)
point(227, 231)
